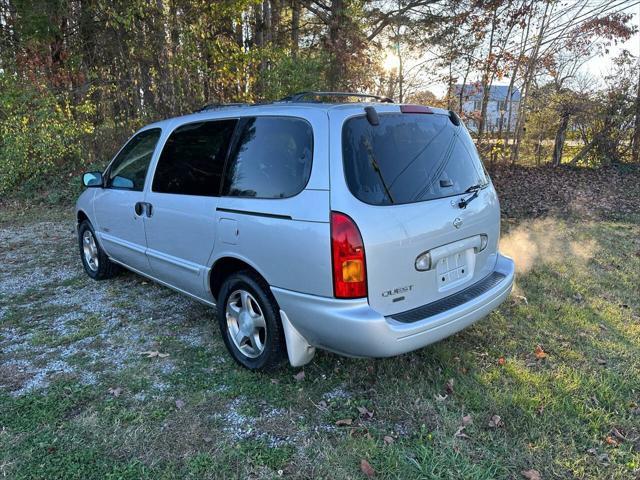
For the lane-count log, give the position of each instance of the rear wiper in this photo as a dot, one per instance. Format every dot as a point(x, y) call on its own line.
point(376, 168)
point(472, 189)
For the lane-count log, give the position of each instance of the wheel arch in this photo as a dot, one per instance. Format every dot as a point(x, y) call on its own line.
point(81, 216)
point(225, 266)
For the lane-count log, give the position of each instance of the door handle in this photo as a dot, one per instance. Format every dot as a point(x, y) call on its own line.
point(143, 208)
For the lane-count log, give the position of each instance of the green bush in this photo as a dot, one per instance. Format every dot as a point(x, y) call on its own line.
point(40, 135)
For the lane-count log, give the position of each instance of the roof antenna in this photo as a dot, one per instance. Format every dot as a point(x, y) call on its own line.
point(372, 116)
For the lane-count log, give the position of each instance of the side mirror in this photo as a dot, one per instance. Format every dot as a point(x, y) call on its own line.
point(92, 179)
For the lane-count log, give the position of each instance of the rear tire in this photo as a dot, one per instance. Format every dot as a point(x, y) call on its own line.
point(249, 320)
point(94, 259)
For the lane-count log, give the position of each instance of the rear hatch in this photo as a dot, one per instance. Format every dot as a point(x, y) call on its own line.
point(402, 181)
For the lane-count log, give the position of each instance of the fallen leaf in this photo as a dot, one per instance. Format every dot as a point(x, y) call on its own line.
point(611, 441)
point(460, 433)
point(616, 433)
point(116, 392)
point(501, 361)
point(367, 469)
point(298, 377)
point(601, 361)
point(440, 398)
point(467, 420)
point(495, 422)
point(540, 353)
point(179, 404)
point(523, 299)
point(531, 474)
point(577, 297)
point(449, 386)
point(364, 412)
point(275, 381)
point(322, 404)
point(154, 354)
point(388, 440)
point(345, 422)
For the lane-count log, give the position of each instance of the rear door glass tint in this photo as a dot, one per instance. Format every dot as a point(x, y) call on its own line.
point(408, 158)
point(193, 157)
point(272, 158)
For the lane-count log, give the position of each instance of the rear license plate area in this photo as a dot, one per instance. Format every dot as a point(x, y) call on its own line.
point(454, 269)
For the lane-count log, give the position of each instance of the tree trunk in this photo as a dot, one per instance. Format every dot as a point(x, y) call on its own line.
point(635, 152)
point(336, 23)
point(486, 87)
point(561, 134)
point(528, 78)
point(462, 87)
point(295, 27)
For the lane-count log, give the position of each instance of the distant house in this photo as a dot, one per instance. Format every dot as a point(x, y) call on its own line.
point(497, 107)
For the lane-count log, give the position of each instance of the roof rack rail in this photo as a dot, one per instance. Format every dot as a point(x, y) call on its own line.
point(300, 96)
point(213, 106)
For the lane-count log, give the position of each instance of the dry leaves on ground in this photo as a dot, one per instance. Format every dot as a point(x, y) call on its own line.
point(365, 413)
point(495, 422)
point(298, 377)
point(367, 469)
point(531, 474)
point(540, 353)
point(116, 392)
point(154, 354)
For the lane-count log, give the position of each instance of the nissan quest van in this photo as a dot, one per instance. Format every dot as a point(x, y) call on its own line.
point(365, 228)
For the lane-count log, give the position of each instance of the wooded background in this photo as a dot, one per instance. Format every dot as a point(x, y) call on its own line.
point(77, 77)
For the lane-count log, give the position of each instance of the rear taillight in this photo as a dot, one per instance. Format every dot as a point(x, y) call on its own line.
point(347, 252)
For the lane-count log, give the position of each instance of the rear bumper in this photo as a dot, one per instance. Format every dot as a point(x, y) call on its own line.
point(353, 328)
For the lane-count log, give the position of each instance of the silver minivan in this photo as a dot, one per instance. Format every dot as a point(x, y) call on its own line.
point(367, 228)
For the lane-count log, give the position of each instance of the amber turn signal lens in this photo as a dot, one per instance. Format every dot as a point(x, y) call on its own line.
point(352, 271)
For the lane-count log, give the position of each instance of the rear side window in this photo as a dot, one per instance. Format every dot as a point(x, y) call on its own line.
point(193, 158)
point(409, 158)
point(129, 169)
point(272, 158)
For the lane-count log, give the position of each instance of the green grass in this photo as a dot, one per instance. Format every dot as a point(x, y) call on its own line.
point(582, 307)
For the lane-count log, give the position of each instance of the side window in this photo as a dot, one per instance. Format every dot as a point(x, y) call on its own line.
point(193, 158)
point(129, 168)
point(272, 158)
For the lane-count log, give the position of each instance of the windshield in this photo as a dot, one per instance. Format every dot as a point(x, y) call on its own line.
point(409, 158)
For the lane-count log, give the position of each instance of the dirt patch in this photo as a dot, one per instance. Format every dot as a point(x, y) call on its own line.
point(13, 376)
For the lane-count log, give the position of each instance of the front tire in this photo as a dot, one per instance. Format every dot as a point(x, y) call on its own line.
point(249, 321)
point(94, 259)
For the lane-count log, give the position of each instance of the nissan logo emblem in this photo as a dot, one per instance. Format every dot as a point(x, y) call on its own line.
point(457, 222)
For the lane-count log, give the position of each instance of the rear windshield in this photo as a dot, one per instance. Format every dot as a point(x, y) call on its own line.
point(409, 158)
